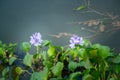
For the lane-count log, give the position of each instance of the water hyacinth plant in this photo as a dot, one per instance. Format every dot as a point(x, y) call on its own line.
point(79, 61)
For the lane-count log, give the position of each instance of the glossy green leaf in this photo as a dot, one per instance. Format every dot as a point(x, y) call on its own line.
point(72, 65)
point(5, 71)
point(117, 68)
point(116, 59)
point(28, 60)
point(11, 60)
point(43, 75)
point(2, 52)
point(88, 77)
point(103, 51)
point(87, 64)
point(51, 51)
point(74, 76)
point(25, 46)
point(47, 64)
point(44, 55)
point(45, 43)
point(57, 69)
point(82, 53)
point(19, 70)
point(93, 53)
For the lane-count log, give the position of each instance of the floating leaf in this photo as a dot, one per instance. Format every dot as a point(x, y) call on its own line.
point(57, 69)
point(43, 75)
point(28, 60)
point(11, 60)
point(80, 7)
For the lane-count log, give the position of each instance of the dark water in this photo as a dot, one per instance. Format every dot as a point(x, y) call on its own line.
point(21, 18)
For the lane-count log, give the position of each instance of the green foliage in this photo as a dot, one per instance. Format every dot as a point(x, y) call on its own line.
point(89, 62)
point(45, 43)
point(28, 60)
point(103, 51)
point(72, 66)
point(12, 59)
point(19, 70)
point(88, 77)
point(57, 69)
point(51, 51)
point(5, 71)
point(25, 46)
point(43, 75)
point(74, 76)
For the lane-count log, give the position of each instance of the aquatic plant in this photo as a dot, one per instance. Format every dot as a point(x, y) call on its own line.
point(81, 61)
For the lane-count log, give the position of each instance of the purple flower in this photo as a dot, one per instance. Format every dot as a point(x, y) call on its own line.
point(76, 40)
point(35, 39)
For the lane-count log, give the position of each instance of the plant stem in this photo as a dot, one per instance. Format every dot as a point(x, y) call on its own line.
point(28, 72)
point(32, 69)
point(37, 49)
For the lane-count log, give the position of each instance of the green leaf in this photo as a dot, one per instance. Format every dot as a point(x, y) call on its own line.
point(45, 43)
point(80, 7)
point(28, 60)
point(117, 68)
point(103, 51)
point(5, 71)
point(2, 78)
point(86, 63)
point(44, 55)
point(86, 42)
point(47, 64)
point(2, 53)
point(72, 65)
point(25, 46)
point(51, 51)
point(19, 70)
point(112, 79)
point(57, 69)
point(82, 53)
point(11, 60)
point(43, 75)
point(88, 77)
point(116, 59)
point(74, 76)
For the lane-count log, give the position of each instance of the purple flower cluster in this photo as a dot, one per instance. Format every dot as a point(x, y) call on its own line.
point(35, 39)
point(76, 40)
